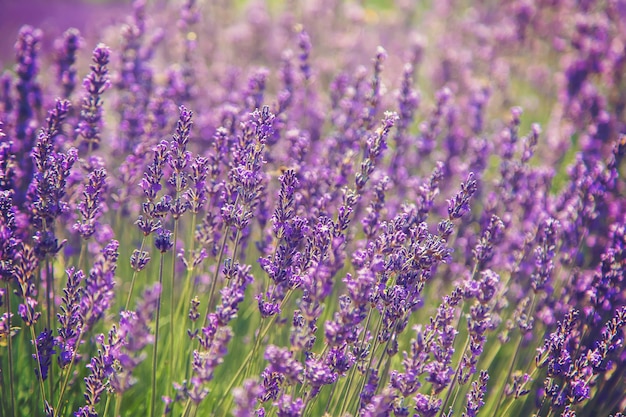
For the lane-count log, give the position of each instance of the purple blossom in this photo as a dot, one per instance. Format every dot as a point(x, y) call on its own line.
point(45, 349)
point(70, 317)
point(246, 398)
point(281, 362)
point(287, 407)
point(90, 206)
point(98, 293)
point(476, 395)
point(66, 49)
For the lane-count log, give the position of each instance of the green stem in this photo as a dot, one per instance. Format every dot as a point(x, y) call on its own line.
point(10, 350)
point(57, 410)
point(250, 354)
point(118, 404)
point(454, 379)
point(220, 258)
point(106, 405)
point(515, 355)
point(50, 313)
point(156, 341)
point(172, 308)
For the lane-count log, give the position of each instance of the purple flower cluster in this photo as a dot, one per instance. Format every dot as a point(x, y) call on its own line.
point(340, 228)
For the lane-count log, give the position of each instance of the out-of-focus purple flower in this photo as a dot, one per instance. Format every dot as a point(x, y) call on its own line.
point(281, 361)
point(98, 293)
point(432, 128)
point(380, 405)
point(544, 255)
point(29, 90)
point(376, 144)
point(369, 389)
point(204, 362)
point(239, 277)
point(246, 398)
point(24, 267)
point(317, 373)
point(459, 204)
point(66, 48)
point(288, 407)
point(304, 43)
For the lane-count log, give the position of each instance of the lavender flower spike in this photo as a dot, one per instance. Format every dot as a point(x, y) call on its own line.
point(95, 84)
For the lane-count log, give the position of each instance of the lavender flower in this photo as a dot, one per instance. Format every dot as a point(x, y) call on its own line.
point(99, 285)
point(95, 85)
point(282, 362)
point(476, 395)
point(90, 207)
point(45, 348)
point(66, 49)
point(70, 318)
point(246, 398)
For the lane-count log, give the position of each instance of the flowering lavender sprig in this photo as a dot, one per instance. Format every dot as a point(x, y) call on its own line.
point(476, 395)
point(8, 166)
point(432, 128)
point(99, 285)
point(45, 350)
point(135, 334)
point(70, 317)
point(95, 84)
point(51, 172)
point(544, 255)
point(376, 144)
point(101, 367)
point(246, 398)
point(90, 206)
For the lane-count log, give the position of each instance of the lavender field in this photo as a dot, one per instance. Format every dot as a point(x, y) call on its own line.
point(313, 208)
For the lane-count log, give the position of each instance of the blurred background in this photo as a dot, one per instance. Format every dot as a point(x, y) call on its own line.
point(54, 17)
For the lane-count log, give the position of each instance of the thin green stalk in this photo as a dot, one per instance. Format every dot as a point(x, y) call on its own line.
point(367, 371)
point(106, 405)
point(257, 343)
point(118, 404)
point(10, 350)
point(156, 341)
point(57, 409)
point(250, 354)
point(33, 341)
point(188, 288)
point(330, 397)
point(515, 355)
point(220, 258)
point(132, 281)
point(50, 314)
point(456, 375)
point(83, 250)
point(172, 308)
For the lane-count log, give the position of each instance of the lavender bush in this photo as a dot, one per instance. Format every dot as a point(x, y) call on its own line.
point(254, 210)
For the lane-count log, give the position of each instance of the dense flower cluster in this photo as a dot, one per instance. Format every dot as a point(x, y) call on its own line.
point(309, 224)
